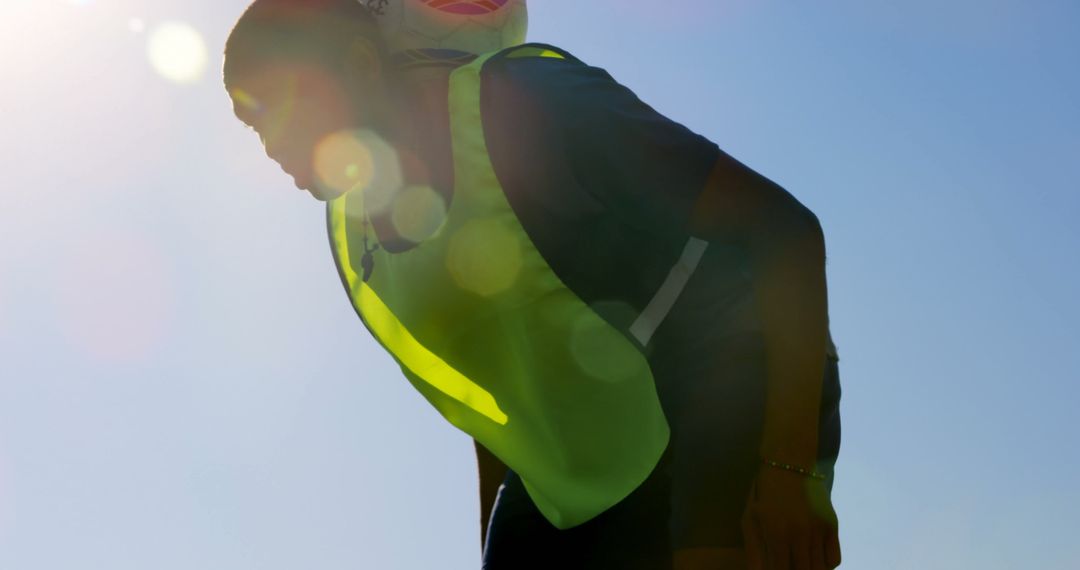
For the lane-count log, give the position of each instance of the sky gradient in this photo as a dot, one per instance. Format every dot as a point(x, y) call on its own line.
point(183, 383)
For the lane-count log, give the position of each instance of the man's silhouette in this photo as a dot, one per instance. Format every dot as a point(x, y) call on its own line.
point(608, 191)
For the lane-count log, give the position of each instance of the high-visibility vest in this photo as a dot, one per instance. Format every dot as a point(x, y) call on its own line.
point(486, 331)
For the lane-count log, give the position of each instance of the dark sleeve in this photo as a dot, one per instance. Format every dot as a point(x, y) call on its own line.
point(644, 167)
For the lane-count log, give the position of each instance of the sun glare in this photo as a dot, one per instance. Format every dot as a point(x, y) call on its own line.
point(419, 212)
point(177, 52)
point(359, 159)
point(484, 257)
point(343, 161)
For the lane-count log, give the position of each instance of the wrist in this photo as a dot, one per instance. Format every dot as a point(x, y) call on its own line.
point(790, 430)
point(795, 451)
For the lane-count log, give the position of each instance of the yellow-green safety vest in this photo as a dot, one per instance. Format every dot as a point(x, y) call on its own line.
point(486, 331)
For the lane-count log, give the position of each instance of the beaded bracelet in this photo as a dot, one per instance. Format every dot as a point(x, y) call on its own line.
point(794, 468)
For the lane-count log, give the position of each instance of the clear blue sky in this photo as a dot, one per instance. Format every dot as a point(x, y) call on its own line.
point(183, 383)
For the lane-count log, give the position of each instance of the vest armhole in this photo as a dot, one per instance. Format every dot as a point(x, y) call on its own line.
point(532, 50)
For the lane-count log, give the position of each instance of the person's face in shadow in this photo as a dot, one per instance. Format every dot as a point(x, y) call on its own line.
point(297, 107)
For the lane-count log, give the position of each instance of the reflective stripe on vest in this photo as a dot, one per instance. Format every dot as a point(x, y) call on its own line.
point(492, 338)
point(657, 310)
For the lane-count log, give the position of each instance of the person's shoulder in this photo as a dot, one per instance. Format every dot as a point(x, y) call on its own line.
point(547, 73)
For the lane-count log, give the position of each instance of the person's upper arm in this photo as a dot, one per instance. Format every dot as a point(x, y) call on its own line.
point(739, 204)
point(651, 172)
point(646, 168)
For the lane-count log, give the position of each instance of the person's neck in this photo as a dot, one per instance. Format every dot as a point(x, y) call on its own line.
point(420, 131)
point(422, 114)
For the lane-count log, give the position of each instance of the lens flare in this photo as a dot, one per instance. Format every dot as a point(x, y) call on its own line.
point(484, 257)
point(419, 213)
point(359, 159)
point(246, 100)
point(344, 162)
point(177, 52)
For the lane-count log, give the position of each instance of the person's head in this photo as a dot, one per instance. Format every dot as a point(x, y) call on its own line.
point(300, 70)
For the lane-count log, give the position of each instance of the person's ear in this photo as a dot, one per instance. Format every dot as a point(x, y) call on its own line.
point(363, 68)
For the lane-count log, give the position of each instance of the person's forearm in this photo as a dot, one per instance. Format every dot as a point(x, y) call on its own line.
point(788, 266)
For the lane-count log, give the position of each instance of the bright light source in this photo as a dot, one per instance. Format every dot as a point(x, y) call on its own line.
point(177, 52)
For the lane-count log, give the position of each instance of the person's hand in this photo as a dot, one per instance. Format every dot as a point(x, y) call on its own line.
point(789, 523)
